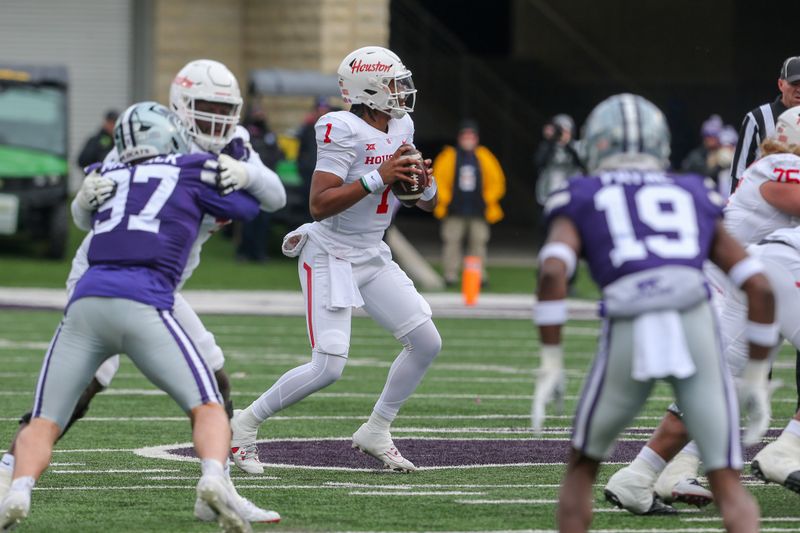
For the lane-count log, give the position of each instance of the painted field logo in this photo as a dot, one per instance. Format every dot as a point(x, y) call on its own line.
point(336, 453)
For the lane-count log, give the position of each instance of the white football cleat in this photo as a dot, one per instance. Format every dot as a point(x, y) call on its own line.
point(250, 511)
point(678, 482)
point(14, 509)
point(381, 447)
point(779, 462)
point(633, 491)
point(216, 492)
point(5, 482)
point(243, 445)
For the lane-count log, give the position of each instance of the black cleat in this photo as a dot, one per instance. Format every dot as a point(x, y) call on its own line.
point(793, 482)
point(755, 469)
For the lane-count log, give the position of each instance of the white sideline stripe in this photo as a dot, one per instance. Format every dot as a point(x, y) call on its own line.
point(415, 493)
point(137, 471)
point(67, 464)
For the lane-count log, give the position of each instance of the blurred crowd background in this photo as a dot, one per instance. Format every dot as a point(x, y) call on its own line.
point(526, 71)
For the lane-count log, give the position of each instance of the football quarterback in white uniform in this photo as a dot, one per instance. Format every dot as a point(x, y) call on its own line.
point(206, 97)
point(765, 205)
point(343, 262)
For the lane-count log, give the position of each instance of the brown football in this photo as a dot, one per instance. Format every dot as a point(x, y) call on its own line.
point(409, 193)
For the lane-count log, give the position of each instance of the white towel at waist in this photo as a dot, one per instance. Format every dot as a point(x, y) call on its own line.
point(343, 291)
point(659, 347)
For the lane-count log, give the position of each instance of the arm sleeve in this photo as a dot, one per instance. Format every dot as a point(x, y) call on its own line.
point(335, 146)
point(264, 184)
point(81, 217)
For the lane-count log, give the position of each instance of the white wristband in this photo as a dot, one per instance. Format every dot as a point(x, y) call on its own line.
point(562, 251)
point(552, 356)
point(744, 270)
point(550, 313)
point(430, 192)
point(372, 182)
point(762, 334)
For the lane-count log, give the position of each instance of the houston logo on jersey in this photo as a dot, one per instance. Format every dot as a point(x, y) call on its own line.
point(377, 159)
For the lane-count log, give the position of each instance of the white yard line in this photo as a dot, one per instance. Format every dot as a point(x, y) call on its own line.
point(415, 493)
point(235, 478)
point(763, 519)
point(112, 471)
point(519, 501)
point(345, 485)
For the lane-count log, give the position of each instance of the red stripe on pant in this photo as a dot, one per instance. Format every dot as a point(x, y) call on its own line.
point(308, 294)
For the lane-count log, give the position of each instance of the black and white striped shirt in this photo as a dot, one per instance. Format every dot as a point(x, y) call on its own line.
point(757, 125)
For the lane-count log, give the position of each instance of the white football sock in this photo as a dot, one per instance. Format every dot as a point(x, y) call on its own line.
point(23, 484)
point(248, 418)
point(7, 462)
point(793, 427)
point(378, 424)
point(298, 383)
point(691, 449)
point(421, 347)
point(211, 467)
point(648, 462)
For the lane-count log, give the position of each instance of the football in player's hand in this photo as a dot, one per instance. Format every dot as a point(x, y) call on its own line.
point(409, 193)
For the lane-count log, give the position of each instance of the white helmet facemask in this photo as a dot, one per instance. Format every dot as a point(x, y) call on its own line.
point(375, 77)
point(205, 95)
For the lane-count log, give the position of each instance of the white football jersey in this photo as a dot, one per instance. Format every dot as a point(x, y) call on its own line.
point(350, 148)
point(748, 217)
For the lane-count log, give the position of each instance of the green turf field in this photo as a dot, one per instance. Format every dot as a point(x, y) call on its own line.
point(479, 388)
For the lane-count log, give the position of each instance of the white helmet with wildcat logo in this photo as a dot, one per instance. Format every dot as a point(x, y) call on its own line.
point(375, 76)
point(205, 80)
point(787, 127)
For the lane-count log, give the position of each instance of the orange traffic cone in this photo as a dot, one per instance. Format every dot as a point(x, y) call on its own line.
point(471, 279)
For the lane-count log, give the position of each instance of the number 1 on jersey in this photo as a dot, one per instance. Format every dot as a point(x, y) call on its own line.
point(383, 207)
point(327, 138)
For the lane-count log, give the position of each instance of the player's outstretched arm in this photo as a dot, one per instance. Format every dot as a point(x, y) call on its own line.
point(265, 186)
point(557, 260)
point(761, 330)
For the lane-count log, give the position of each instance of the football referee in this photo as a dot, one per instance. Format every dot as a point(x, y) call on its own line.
point(759, 124)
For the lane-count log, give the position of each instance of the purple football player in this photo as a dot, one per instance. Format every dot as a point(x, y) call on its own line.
point(123, 304)
point(645, 234)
